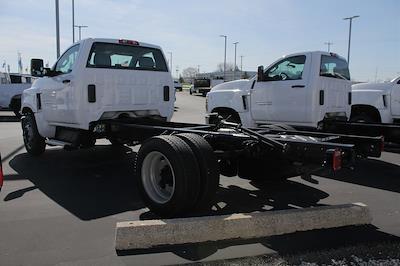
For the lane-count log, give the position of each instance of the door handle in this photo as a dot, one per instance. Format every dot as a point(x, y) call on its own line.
point(298, 86)
point(66, 81)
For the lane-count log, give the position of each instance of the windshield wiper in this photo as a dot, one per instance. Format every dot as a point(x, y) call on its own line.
point(340, 76)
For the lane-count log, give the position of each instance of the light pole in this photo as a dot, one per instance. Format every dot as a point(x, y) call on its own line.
point(234, 67)
point(329, 45)
point(241, 64)
point(73, 21)
point(348, 49)
point(80, 27)
point(57, 30)
point(198, 69)
point(170, 61)
point(224, 36)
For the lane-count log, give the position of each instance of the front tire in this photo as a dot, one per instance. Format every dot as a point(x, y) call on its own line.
point(362, 118)
point(167, 175)
point(34, 143)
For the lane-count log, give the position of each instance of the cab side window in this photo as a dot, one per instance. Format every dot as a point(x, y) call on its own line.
point(290, 68)
point(67, 60)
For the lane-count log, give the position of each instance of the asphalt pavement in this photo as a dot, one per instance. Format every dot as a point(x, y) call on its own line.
point(62, 207)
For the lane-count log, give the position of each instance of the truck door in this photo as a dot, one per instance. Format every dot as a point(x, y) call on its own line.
point(282, 95)
point(395, 96)
point(56, 94)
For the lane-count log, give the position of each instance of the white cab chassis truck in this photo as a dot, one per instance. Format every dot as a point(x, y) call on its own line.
point(122, 90)
point(376, 102)
point(310, 90)
point(301, 89)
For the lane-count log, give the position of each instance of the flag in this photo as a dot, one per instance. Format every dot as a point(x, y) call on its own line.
point(20, 63)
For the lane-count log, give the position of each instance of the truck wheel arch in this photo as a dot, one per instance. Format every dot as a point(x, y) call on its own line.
point(225, 112)
point(26, 110)
point(365, 110)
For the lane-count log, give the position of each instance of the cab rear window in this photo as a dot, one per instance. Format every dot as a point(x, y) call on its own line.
point(334, 67)
point(118, 56)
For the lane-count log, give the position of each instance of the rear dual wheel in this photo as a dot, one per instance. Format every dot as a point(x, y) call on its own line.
point(176, 174)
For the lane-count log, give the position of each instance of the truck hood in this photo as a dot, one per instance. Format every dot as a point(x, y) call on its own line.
point(381, 87)
point(241, 84)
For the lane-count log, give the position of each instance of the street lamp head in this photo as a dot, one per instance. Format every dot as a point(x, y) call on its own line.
point(222, 36)
point(235, 43)
point(351, 17)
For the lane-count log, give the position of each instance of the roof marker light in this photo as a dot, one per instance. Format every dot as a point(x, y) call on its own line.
point(130, 42)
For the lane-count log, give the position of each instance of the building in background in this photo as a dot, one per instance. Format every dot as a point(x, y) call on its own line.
point(230, 75)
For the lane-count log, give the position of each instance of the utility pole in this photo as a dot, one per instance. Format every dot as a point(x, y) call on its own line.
point(348, 48)
point(234, 67)
point(57, 30)
point(225, 37)
point(329, 45)
point(80, 27)
point(198, 68)
point(241, 63)
point(170, 61)
point(73, 21)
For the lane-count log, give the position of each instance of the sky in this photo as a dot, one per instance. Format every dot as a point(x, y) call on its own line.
point(265, 30)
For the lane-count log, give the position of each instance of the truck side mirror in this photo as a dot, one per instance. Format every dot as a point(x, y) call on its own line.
point(37, 67)
point(260, 73)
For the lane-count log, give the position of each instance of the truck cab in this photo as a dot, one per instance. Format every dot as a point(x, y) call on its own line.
point(376, 102)
point(301, 89)
point(97, 79)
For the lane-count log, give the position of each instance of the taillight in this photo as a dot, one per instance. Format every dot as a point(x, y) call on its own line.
point(337, 160)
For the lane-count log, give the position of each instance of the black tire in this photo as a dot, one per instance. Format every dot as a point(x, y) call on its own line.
point(180, 166)
point(190, 91)
point(204, 93)
point(362, 118)
point(228, 168)
point(34, 143)
point(15, 105)
point(208, 166)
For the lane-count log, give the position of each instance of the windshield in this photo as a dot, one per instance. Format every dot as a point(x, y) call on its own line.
point(334, 67)
point(117, 56)
point(201, 83)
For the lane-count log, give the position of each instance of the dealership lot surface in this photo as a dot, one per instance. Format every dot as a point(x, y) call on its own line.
point(62, 208)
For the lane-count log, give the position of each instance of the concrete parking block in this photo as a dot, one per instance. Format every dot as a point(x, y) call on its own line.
point(153, 233)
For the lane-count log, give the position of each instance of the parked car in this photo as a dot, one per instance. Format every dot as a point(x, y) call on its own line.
point(177, 85)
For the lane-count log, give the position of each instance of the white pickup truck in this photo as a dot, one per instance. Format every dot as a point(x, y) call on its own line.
point(301, 89)
point(11, 87)
point(376, 102)
point(95, 79)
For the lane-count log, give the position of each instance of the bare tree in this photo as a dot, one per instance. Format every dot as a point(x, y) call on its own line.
point(229, 67)
point(189, 72)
